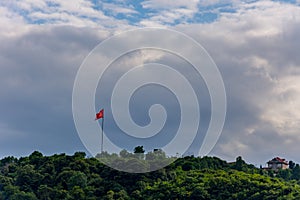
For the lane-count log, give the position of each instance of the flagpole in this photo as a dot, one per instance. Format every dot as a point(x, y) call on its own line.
point(102, 135)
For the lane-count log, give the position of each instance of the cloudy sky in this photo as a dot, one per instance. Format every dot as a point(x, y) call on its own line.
point(255, 44)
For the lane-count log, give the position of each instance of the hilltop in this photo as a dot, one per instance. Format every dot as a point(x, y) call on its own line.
point(62, 176)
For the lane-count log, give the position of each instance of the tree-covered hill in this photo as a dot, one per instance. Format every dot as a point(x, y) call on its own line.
point(77, 177)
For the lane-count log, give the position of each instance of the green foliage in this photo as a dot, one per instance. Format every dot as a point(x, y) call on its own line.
point(296, 172)
point(77, 177)
point(136, 162)
point(284, 174)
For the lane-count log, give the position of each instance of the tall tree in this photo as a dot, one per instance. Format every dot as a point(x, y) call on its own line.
point(139, 149)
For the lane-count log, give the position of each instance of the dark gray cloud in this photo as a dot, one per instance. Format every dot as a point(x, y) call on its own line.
point(255, 49)
point(37, 73)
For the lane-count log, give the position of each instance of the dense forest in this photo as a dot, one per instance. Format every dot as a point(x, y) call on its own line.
point(63, 176)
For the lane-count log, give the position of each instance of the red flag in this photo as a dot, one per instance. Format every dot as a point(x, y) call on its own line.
point(100, 114)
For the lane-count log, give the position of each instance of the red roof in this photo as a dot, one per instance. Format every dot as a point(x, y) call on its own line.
point(278, 160)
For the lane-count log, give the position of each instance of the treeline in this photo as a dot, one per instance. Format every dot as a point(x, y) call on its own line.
point(77, 177)
point(136, 162)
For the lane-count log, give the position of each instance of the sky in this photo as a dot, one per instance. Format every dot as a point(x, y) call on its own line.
point(255, 45)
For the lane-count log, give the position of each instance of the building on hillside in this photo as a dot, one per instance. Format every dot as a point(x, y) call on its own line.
point(277, 163)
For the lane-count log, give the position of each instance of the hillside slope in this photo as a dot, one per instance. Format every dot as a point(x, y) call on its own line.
point(77, 177)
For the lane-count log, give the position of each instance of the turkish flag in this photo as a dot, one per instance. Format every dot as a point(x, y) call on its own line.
point(100, 114)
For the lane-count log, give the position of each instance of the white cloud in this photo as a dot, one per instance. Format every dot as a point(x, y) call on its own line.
point(255, 51)
point(169, 11)
point(282, 106)
point(64, 19)
point(151, 23)
point(116, 9)
point(79, 8)
point(79, 13)
point(11, 23)
point(30, 5)
point(169, 4)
